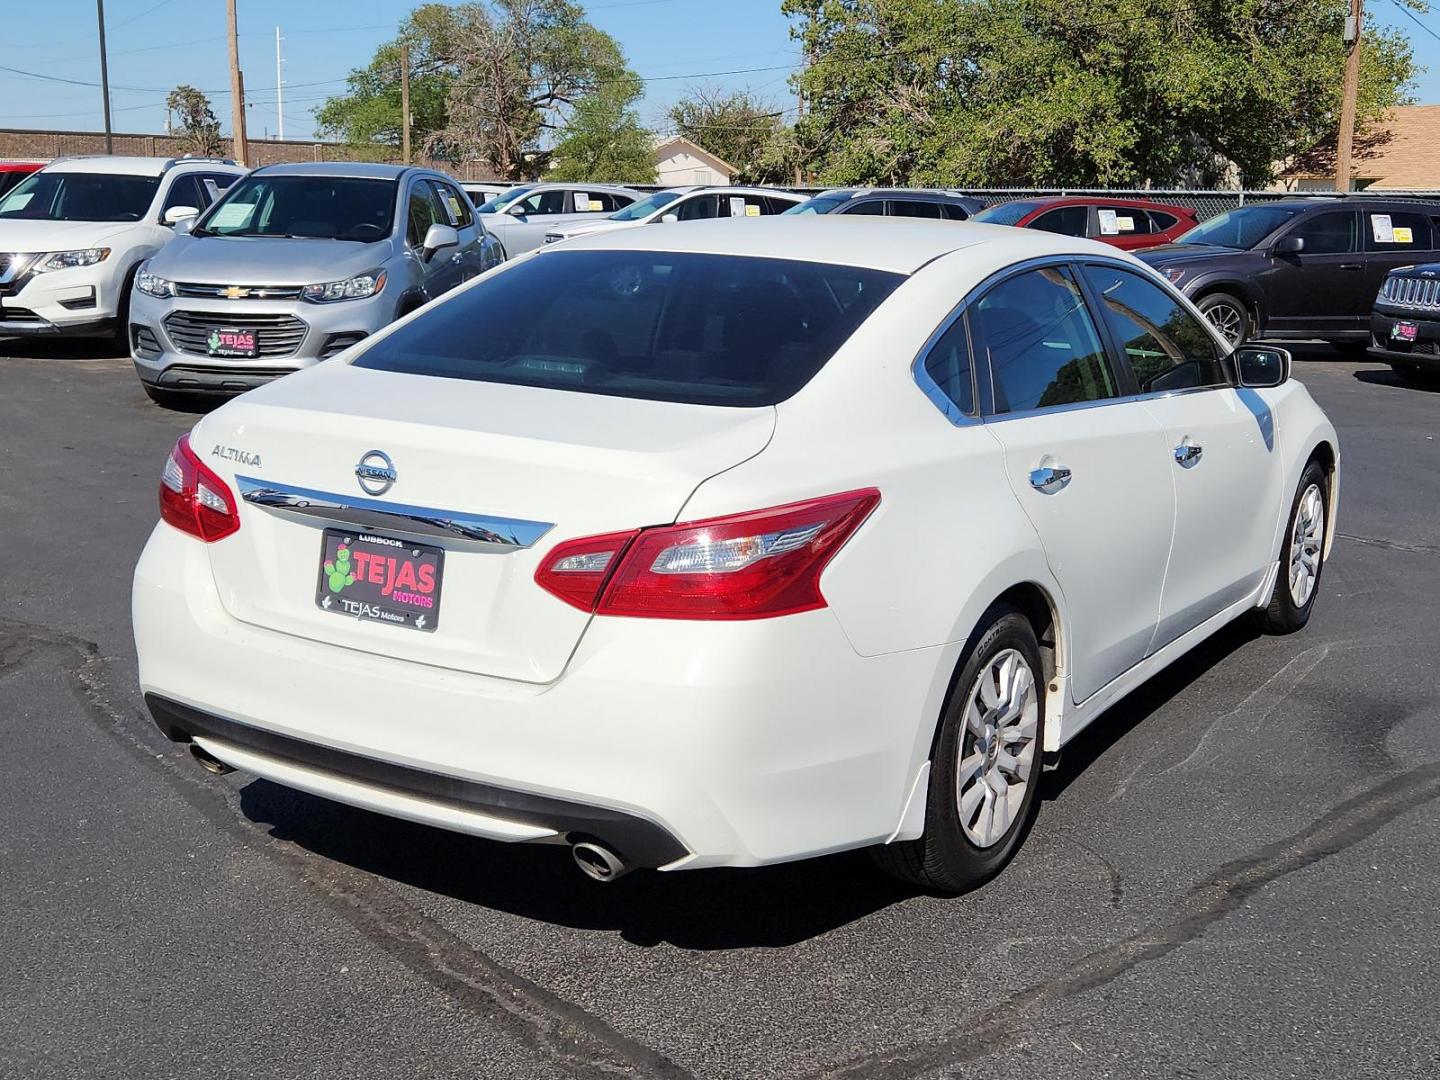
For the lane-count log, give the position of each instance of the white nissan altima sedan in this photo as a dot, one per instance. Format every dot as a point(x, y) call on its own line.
point(729, 546)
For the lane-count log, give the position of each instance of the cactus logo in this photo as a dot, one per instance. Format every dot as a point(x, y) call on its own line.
point(214, 340)
point(340, 571)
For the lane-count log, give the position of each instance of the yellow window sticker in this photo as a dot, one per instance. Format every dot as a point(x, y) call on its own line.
point(1125, 224)
point(751, 210)
point(1403, 235)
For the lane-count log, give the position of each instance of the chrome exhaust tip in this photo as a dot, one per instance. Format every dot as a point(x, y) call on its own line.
point(599, 863)
point(208, 761)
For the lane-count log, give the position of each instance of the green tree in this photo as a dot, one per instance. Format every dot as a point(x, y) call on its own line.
point(603, 139)
point(736, 127)
point(521, 67)
point(199, 132)
point(1047, 92)
point(369, 111)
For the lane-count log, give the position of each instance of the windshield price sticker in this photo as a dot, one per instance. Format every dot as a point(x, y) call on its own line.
point(582, 202)
point(1383, 230)
point(231, 215)
point(1110, 223)
point(737, 207)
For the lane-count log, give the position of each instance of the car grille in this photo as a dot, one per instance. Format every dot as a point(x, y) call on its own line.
point(1411, 292)
point(253, 292)
point(18, 315)
point(276, 335)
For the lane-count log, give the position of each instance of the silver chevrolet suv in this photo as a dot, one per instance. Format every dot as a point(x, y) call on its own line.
point(294, 265)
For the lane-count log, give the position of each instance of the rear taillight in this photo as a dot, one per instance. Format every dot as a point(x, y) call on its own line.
point(754, 565)
point(194, 499)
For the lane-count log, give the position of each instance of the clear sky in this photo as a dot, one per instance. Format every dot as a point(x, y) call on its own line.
point(158, 44)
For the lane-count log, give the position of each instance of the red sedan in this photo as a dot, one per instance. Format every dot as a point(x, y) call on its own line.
point(1127, 223)
point(12, 173)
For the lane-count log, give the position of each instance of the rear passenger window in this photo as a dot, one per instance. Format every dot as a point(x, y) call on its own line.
point(1162, 221)
point(1066, 220)
point(1034, 334)
point(1398, 231)
point(871, 207)
point(948, 365)
point(914, 208)
point(1167, 347)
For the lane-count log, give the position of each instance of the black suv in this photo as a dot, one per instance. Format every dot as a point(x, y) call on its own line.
point(1405, 325)
point(892, 202)
point(1298, 268)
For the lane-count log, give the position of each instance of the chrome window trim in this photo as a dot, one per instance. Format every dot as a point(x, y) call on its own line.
point(953, 413)
point(484, 531)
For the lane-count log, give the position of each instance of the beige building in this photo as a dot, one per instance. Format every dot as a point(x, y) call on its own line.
point(1403, 153)
point(680, 162)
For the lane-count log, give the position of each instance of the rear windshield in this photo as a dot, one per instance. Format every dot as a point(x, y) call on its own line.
point(311, 207)
point(698, 328)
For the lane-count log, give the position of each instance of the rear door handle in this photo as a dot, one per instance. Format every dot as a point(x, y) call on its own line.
point(1188, 453)
point(1048, 479)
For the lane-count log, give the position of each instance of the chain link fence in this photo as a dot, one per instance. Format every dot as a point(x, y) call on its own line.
point(1206, 204)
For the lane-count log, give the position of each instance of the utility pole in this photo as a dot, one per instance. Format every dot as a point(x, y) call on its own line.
point(1345, 145)
point(237, 92)
point(405, 102)
point(279, 87)
point(104, 77)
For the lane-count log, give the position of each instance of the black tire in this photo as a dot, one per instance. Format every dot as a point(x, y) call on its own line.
point(1223, 308)
point(121, 334)
point(945, 859)
point(1285, 614)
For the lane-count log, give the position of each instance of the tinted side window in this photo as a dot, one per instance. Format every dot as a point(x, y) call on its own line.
point(1039, 342)
point(546, 202)
point(699, 208)
point(951, 212)
point(872, 207)
point(457, 210)
point(1327, 234)
point(914, 208)
point(1397, 231)
point(948, 363)
point(1067, 220)
point(423, 214)
point(184, 192)
point(1162, 221)
point(1167, 347)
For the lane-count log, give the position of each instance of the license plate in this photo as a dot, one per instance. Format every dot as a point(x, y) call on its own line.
point(227, 342)
point(379, 578)
point(1404, 331)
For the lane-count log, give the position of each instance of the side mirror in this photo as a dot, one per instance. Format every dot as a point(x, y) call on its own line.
point(670, 218)
point(1290, 245)
point(438, 237)
point(515, 210)
point(177, 214)
point(1259, 367)
point(184, 226)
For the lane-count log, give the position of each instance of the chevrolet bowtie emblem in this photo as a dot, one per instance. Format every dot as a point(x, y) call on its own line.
point(235, 292)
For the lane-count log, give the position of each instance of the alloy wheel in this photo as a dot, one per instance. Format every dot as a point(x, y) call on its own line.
point(1228, 319)
point(1306, 542)
point(997, 753)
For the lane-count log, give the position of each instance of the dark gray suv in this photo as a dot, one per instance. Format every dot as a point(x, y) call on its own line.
point(1298, 268)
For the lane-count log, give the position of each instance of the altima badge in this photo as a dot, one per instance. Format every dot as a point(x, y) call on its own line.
point(376, 472)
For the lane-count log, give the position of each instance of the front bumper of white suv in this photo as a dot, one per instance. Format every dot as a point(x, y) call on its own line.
point(76, 301)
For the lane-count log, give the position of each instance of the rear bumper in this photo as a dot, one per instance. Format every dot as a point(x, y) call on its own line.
point(1423, 352)
point(734, 744)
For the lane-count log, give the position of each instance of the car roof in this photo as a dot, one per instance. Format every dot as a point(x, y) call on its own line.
point(21, 166)
point(921, 194)
point(361, 170)
point(1048, 201)
point(1330, 202)
point(737, 189)
point(898, 245)
point(115, 165)
point(548, 185)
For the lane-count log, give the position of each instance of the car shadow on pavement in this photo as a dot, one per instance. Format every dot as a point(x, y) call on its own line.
point(702, 910)
point(767, 907)
point(1386, 377)
point(61, 348)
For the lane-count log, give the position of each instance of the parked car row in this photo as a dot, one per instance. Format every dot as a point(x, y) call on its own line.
point(217, 289)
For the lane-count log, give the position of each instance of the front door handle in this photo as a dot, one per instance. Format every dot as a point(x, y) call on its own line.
point(1188, 453)
point(1351, 266)
point(1048, 479)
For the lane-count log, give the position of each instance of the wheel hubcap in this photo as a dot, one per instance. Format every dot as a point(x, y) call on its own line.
point(1306, 541)
point(997, 752)
point(1228, 320)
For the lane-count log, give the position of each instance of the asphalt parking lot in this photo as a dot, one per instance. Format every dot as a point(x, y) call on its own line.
point(1236, 872)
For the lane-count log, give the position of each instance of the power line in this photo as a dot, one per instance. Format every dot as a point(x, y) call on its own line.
point(1416, 19)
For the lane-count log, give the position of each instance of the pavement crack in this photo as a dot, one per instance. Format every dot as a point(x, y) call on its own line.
point(1208, 902)
point(578, 1041)
point(1390, 545)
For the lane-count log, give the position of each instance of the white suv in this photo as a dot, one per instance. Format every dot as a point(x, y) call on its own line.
point(73, 235)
